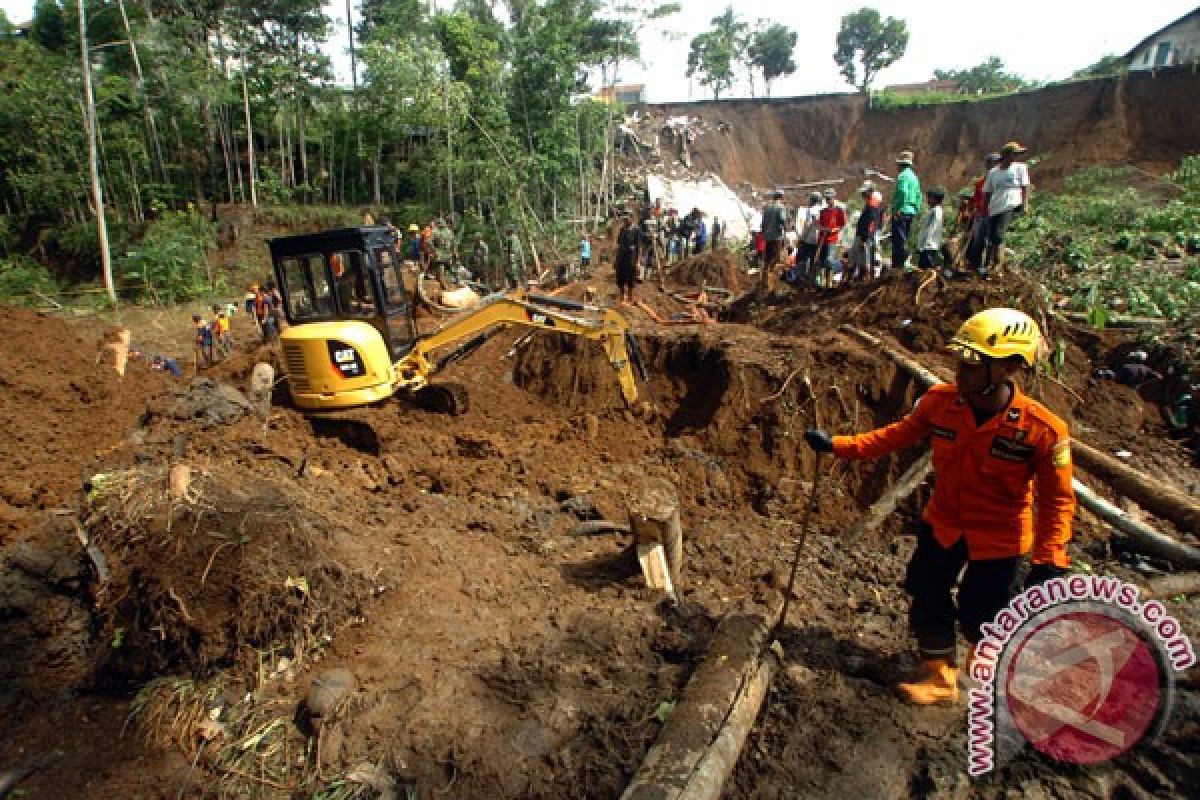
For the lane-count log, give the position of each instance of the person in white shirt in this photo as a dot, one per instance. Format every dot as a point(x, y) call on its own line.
point(929, 237)
point(1006, 192)
point(810, 234)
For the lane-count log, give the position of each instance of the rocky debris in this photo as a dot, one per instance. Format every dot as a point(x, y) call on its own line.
point(328, 693)
point(210, 402)
point(47, 628)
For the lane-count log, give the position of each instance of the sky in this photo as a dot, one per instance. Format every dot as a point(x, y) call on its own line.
point(1037, 39)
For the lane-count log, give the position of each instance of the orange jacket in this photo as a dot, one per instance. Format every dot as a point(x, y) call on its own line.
point(987, 476)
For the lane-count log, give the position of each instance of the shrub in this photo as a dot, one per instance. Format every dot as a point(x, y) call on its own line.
point(170, 264)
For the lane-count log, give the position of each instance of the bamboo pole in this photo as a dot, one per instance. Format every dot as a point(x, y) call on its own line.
point(882, 508)
point(1158, 498)
point(1148, 540)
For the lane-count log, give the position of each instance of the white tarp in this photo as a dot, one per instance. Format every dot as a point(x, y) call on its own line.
point(710, 195)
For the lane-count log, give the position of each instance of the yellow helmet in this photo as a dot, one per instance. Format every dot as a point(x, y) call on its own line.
point(998, 333)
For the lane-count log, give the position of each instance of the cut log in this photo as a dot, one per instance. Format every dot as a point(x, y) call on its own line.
point(179, 482)
point(882, 508)
point(654, 519)
point(1158, 498)
point(1143, 538)
point(1168, 586)
point(698, 747)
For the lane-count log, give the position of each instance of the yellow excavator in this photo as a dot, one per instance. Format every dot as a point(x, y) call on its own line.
point(352, 341)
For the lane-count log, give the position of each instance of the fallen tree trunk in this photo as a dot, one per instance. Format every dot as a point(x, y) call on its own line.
point(1116, 320)
point(1156, 497)
point(1145, 538)
point(882, 508)
point(698, 747)
point(911, 366)
point(1167, 586)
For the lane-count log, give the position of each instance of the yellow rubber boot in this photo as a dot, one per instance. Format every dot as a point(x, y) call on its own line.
point(936, 683)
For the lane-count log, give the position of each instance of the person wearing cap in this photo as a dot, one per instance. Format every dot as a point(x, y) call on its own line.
point(906, 202)
point(997, 454)
point(830, 223)
point(1006, 191)
point(929, 237)
point(808, 223)
point(774, 222)
point(866, 229)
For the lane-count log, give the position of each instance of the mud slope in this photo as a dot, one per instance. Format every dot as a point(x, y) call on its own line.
point(1149, 120)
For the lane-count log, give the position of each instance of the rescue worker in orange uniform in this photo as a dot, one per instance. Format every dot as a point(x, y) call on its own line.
point(997, 454)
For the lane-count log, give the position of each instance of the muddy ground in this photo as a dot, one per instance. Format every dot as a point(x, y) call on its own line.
point(494, 651)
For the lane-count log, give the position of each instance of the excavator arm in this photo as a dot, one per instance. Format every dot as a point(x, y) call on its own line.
point(414, 370)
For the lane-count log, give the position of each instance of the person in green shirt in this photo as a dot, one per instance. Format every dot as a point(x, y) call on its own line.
point(906, 202)
point(443, 251)
point(514, 258)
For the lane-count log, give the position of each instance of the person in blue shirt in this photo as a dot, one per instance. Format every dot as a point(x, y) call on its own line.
point(585, 253)
point(165, 364)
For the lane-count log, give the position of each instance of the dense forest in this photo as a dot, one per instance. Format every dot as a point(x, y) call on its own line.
point(197, 104)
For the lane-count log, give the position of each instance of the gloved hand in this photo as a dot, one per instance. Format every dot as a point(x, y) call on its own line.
point(1040, 573)
point(819, 440)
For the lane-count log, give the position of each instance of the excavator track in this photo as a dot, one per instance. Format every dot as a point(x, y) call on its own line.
point(442, 398)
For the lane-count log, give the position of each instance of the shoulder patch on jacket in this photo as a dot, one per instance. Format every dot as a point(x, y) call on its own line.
point(1061, 453)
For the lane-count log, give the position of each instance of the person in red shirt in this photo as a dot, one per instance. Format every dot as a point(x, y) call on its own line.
point(830, 223)
point(997, 454)
point(979, 215)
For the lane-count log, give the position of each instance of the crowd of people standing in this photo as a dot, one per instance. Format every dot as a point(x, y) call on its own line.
point(822, 245)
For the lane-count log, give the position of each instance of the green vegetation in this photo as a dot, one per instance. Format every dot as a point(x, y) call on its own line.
point(713, 53)
point(867, 44)
point(1111, 247)
point(171, 262)
point(986, 78)
point(235, 103)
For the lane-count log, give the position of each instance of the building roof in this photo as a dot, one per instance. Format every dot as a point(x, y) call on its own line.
point(1186, 17)
point(931, 85)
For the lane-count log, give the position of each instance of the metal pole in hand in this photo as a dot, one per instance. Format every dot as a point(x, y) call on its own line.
point(804, 527)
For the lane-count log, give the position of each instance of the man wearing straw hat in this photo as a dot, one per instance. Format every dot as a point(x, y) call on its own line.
point(1006, 191)
point(906, 202)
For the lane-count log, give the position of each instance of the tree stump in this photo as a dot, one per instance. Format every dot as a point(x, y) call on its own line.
point(658, 533)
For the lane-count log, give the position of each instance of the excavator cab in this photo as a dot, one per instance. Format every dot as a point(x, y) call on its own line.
point(350, 318)
point(351, 339)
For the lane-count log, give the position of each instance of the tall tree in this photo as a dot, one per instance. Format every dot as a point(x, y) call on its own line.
point(714, 52)
point(89, 120)
point(770, 51)
point(867, 44)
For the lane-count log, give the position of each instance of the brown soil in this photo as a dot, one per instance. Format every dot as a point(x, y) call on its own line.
point(496, 653)
point(1144, 119)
